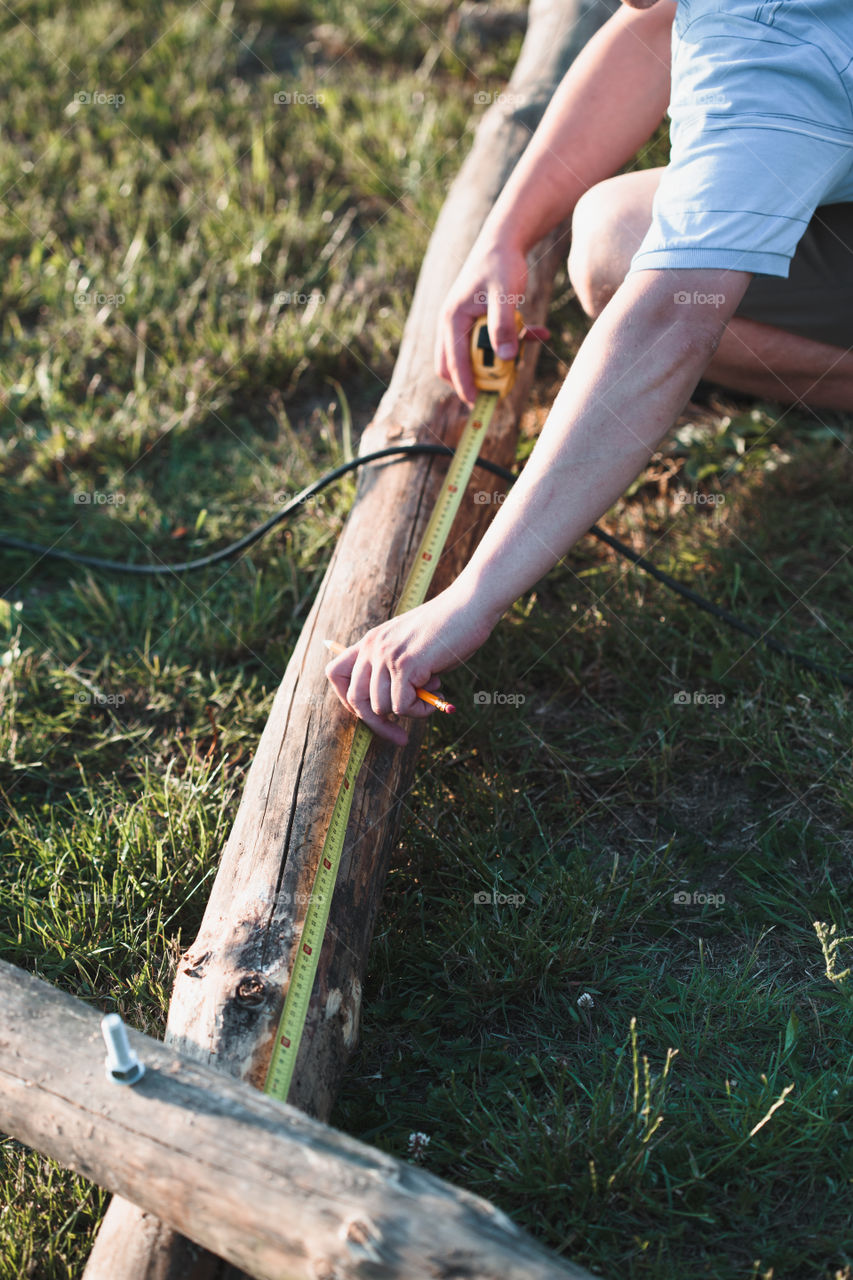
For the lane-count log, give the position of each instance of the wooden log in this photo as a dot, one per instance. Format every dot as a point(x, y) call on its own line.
point(489, 23)
point(230, 986)
point(256, 1180)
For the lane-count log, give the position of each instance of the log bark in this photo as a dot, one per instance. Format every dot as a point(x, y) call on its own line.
point(259, 1182)
point(487, 22)
point(231, 983)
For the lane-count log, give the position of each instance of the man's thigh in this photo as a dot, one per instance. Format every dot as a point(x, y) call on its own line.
point(816, 300)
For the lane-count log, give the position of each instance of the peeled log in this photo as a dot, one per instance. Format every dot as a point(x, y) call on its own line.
point(230, 985)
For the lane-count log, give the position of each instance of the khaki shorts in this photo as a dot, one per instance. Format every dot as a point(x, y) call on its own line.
point(816, 300)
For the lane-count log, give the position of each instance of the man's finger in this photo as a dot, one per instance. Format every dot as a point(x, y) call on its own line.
point(380, 691)
point(404, 696)
point(338, 673)
point(501, 321)
point(358, 700)
point(458, 358)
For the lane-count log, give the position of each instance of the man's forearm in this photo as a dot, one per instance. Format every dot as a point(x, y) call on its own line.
point(609, 103)
point(633, 375)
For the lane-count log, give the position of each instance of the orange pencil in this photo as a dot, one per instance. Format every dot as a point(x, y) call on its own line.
point(424, 694)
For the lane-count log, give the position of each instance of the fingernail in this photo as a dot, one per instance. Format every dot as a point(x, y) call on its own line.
point(506, 350)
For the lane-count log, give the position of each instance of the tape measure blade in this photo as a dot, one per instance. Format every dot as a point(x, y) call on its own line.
point(303, 975)
point(449, 501)
point(306, 962)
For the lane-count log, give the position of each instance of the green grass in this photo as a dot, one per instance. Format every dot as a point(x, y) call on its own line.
point(256, 261)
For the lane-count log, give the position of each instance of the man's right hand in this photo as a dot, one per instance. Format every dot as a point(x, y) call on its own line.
point(608, 105)
point(492, 283)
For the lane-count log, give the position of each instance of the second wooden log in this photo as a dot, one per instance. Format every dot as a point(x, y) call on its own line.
point(260, 1183)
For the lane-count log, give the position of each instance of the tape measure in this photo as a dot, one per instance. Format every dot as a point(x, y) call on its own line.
point(493, 378)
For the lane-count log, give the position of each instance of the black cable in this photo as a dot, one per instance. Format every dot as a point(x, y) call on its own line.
point(234, 548)
point(722, 614)
point(225, 553)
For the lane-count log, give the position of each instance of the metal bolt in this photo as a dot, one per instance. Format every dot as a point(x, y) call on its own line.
point(123, 1065)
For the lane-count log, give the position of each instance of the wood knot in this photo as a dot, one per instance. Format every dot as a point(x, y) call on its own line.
point(364, 1240)
point(251, 990)
point(357, 1233)
point(194, 967)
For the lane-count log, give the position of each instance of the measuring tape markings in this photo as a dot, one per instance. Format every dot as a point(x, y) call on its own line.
point(498, 375)
point(306, 962)
point(449, 501)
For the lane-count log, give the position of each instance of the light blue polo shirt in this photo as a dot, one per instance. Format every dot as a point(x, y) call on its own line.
point(761, 134)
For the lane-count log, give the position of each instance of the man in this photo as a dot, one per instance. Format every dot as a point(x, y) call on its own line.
point(686, 270)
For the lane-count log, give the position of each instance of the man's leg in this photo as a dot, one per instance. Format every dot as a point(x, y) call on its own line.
point(610, 221)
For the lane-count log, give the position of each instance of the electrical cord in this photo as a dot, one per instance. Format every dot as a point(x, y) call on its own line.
point(399, 451)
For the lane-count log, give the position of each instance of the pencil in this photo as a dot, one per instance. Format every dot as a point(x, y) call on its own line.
point(424, 694)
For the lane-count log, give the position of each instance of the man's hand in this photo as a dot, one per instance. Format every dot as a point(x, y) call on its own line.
point(378, 676)
point(492, 283)
point(608, 105)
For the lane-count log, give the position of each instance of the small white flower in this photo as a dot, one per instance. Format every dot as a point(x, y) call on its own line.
point(417, 1145)
point(586, 1001)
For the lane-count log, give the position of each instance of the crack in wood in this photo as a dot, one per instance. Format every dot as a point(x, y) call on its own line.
point(291, 818)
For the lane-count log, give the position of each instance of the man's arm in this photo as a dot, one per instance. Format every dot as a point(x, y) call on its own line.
point(609, 103)
point(631, 378)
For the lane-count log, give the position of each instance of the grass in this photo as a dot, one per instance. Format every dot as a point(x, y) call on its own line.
point(200, 286)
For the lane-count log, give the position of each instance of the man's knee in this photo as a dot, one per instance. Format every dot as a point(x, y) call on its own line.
point(590, 256)
point(608, 225)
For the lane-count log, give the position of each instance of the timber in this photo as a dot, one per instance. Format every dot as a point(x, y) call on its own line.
point(231, 983)
point(487, 22)
point(257, 1181)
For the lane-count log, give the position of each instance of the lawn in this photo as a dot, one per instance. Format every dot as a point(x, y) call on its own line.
point(203, 290)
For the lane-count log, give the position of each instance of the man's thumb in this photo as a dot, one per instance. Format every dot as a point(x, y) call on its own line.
point(502, 331)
